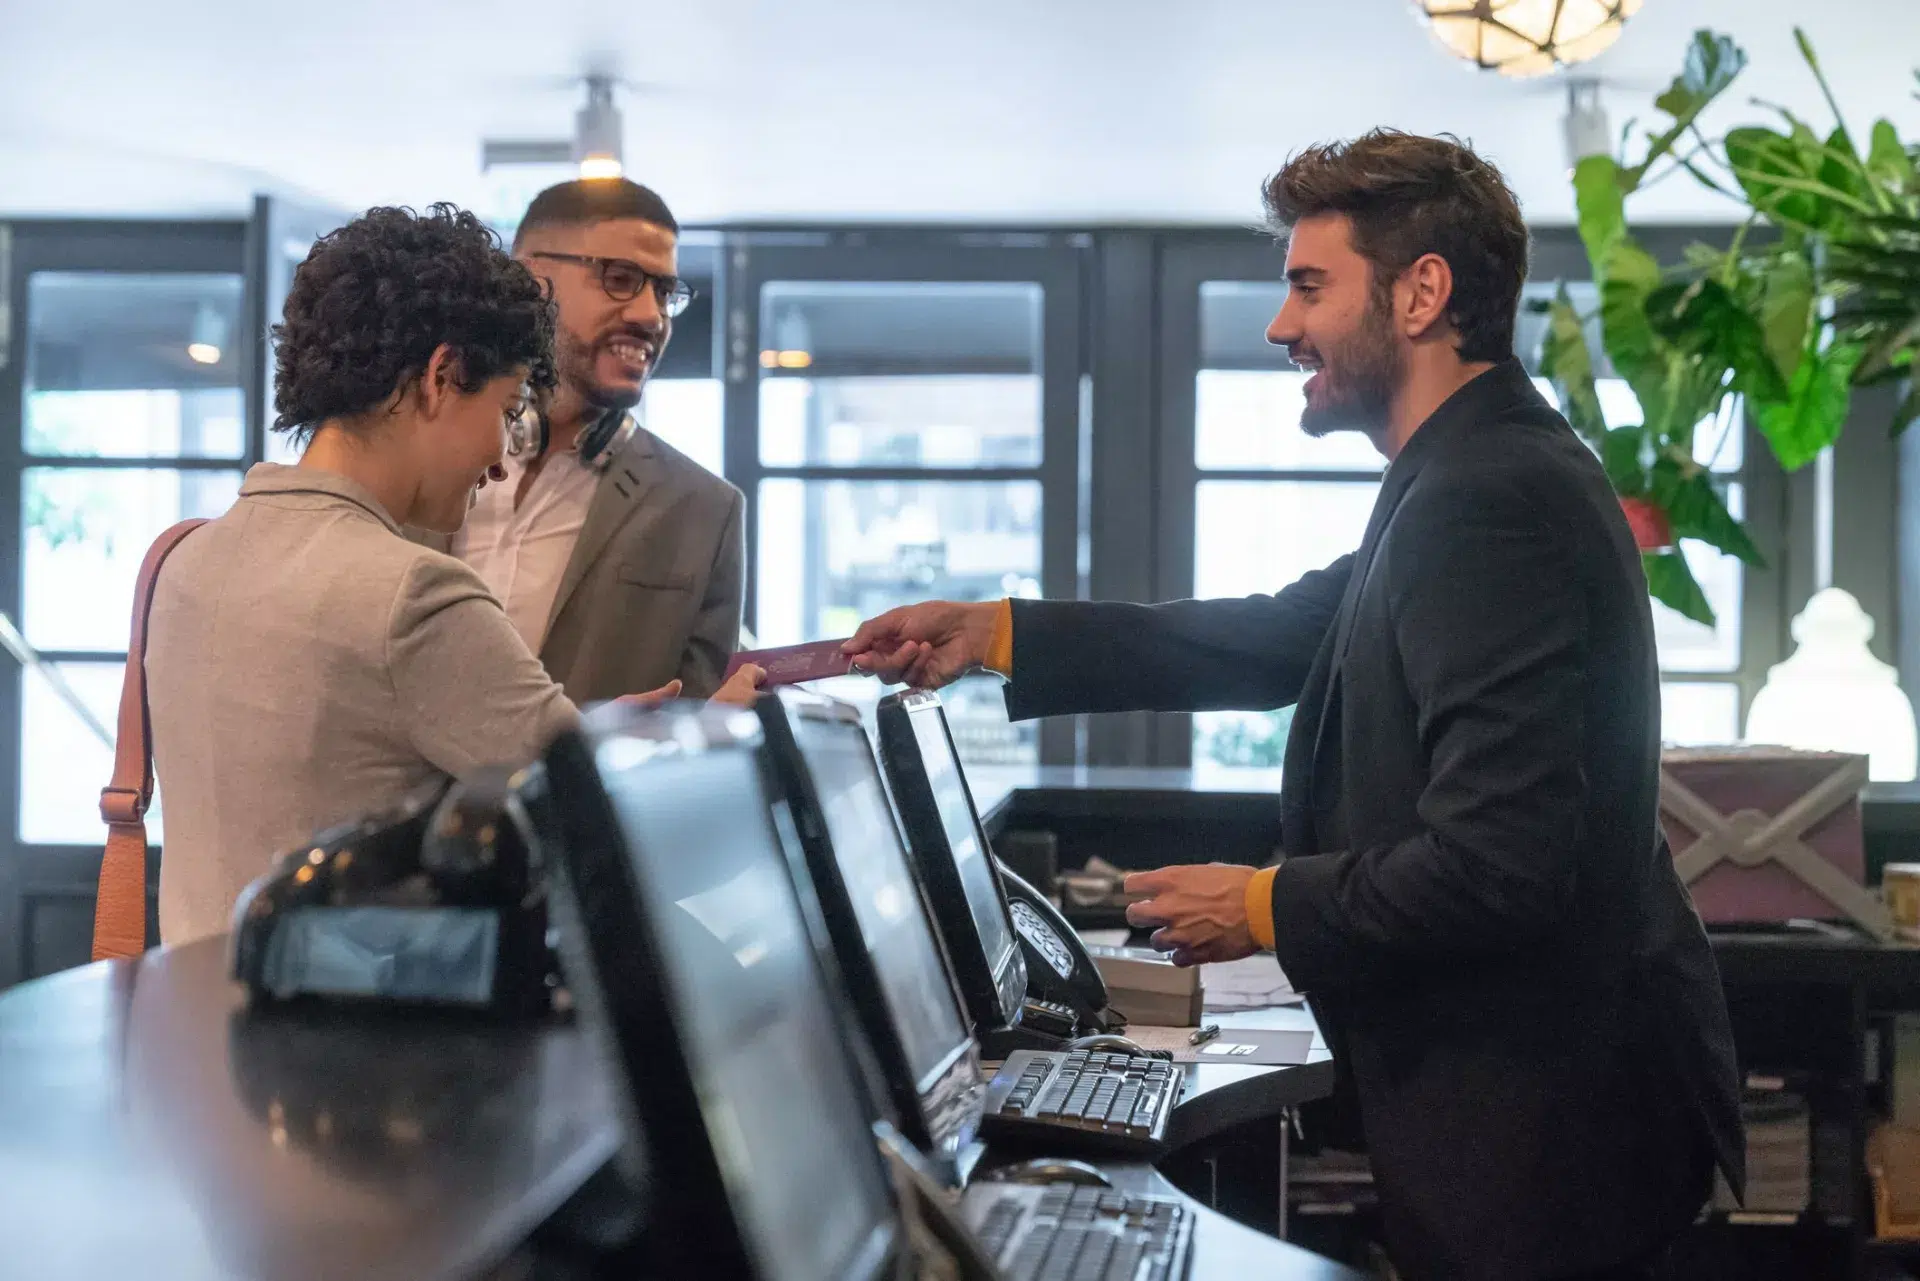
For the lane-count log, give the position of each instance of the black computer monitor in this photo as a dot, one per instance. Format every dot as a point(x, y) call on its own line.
point(955, 859)
point(888, 946)
point(693, 948)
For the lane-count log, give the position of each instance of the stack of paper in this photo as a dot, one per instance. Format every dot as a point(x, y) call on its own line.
point(1250, 984)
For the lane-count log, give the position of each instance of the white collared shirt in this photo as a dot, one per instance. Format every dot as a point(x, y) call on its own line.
point(522, 553)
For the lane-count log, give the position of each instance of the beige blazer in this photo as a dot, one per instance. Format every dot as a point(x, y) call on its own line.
point(305, 664)
point(654, 587)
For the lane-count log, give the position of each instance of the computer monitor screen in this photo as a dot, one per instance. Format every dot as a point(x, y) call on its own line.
point(790, 1127)
point(885, 895)
point(986, 901)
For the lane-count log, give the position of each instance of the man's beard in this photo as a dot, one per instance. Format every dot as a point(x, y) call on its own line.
point(1358, 377)
point(575, 361)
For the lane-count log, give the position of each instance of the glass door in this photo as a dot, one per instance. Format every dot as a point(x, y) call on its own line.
point(122, 411)
point(904, 422)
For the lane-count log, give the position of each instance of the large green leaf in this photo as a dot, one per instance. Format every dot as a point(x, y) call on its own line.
point(1810, 416)
point(1842, 169)
point(1621, 455)
point(1772, 171)
point(1671, 582)
point(1686, 492)
point(1628, 275)
point(1881, 268)
point(1703, 319)
point(1712, 63)
point(1602, 208)
point(1786, 308)
point(1566, 360)
point(1887, 160)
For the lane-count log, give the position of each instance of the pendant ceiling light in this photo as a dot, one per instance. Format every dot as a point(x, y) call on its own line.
point(1526, 37)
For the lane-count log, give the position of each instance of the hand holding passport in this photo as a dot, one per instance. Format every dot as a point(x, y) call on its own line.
point(796, 664)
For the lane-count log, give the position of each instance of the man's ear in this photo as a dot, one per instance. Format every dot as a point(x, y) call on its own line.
point(1425, 292)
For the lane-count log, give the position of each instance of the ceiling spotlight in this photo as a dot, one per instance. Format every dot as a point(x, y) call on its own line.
point(596, 147)
point(597, 132)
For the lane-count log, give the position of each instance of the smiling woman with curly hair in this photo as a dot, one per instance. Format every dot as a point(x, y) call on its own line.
point(306, 662)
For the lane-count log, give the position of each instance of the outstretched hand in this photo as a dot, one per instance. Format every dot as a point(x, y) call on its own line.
point(927, 645)
point(1200, 911)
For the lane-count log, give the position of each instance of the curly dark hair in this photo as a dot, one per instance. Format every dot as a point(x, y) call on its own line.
point(1409, 196)
point(375, 298)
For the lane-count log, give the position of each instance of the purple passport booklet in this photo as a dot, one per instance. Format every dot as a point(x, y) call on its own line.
point(794, 664)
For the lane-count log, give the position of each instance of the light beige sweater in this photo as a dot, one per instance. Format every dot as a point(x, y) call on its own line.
point(305, 664)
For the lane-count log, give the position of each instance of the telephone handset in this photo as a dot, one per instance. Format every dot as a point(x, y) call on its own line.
point(1059, 971)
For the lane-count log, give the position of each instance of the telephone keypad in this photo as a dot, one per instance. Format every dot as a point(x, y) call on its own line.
point(1035, 930)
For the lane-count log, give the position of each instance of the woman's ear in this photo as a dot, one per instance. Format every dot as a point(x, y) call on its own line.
point(439, 381)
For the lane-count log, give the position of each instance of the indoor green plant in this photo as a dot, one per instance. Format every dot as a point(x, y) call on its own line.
point(1755, 320)
point(1879, 264)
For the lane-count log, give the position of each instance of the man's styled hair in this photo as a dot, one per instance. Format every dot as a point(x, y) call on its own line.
point(585, 201)
point(375, 298)
point(1408, 196)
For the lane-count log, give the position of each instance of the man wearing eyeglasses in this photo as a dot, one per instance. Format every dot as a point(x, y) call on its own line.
point(617, 557)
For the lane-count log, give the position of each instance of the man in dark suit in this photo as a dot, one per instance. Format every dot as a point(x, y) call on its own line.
point(1475, 892)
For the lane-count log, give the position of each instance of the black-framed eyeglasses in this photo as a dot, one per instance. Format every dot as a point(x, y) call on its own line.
point(623, 279)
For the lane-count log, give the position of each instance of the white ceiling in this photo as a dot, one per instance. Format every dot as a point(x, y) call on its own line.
point(1047, 111)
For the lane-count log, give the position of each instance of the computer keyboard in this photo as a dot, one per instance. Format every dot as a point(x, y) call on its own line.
point(1070, 1232)
point(1083, 1100)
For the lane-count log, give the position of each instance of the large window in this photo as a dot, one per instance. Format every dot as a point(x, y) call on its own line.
point(1270, 503)
point(688, 414)
point(132, 419)
point(908, 440)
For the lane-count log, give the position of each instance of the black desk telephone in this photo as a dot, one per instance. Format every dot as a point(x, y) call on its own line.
point(1060, 974)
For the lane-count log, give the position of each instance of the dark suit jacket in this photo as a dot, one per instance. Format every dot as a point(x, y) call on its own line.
point(1476, 893)
point(654, 587)
point(653, 590)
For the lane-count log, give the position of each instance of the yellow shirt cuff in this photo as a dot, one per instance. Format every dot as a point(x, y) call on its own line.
point(1000, 648)
point(1260, 907)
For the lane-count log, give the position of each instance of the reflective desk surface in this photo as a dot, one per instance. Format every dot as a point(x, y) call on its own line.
point(146, 1129)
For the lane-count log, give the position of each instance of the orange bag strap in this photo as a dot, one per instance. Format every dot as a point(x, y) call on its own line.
point(120, 911)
